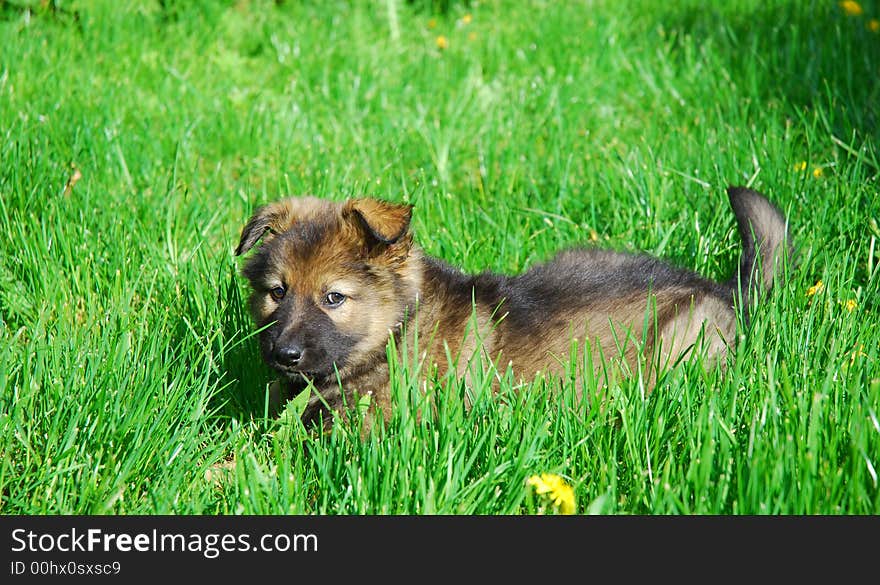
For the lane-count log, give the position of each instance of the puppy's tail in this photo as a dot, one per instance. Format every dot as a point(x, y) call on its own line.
point(764, 232)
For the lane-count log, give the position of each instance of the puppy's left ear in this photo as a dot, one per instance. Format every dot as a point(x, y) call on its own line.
point(383, 225)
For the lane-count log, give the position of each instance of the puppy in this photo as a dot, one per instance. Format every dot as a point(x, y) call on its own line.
point(333, 282)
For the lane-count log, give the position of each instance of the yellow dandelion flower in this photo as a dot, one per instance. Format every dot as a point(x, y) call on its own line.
point(801, 166)
point(851, 8)
point(466, 19)
point(442, 42)
point(851, 305)
point(874, 25)
point(818, 172)
point(553, 488)
point(816, 288)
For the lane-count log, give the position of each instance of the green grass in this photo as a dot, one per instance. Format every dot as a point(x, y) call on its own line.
point(128, 368)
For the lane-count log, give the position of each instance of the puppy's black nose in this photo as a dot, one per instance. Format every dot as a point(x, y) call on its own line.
point(289, 355)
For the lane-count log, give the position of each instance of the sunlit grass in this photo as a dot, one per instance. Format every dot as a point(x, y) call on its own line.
point(135, 142)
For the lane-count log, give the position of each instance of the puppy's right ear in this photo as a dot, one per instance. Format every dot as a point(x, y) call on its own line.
point(269, 218)
point(276, 218)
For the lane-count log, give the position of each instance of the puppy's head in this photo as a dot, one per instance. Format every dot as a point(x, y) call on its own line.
point(330, 281)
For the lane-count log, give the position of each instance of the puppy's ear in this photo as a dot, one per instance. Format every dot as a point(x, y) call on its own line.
point(275, 218)
point(380, 221)
point(383, 225)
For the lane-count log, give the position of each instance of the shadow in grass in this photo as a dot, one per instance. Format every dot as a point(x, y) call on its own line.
point(812, 55)
point(238, 370)
point(10, 10)
point(438, 6)
point(244, 372)
point(245, 375)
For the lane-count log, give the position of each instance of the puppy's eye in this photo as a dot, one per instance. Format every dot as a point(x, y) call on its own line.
point(334, 299)
point(277, 293)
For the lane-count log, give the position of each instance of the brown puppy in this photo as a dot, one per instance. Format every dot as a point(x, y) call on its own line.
point(332, 282)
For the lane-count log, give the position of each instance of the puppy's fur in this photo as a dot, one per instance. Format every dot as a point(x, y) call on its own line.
point(332, 282)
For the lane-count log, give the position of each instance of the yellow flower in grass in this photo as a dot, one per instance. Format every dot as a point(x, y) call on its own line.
point(801, 166)
point(851, 305)
point(818, 172)
point(466, 19)
point(851, 8)
point(553, 489)
point(442, 42)
point(874, 25)
point(816, 288)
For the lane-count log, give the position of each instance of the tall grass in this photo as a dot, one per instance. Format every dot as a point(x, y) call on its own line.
point(136, 139)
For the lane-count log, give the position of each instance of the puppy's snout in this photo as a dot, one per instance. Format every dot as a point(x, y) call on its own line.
point(289, 355)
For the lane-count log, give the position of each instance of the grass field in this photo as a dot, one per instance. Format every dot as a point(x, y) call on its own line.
point(136, 139)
